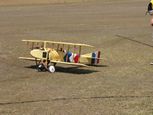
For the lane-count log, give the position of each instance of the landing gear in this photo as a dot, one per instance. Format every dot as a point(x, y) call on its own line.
point(43, 66)
point(51, 69)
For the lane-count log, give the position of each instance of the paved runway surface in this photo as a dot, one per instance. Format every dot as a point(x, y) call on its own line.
point(121, 84)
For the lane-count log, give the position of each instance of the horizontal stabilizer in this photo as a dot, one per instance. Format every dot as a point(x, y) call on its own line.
point(92, 57)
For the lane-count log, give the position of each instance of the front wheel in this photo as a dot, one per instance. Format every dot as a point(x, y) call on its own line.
point(51, 69)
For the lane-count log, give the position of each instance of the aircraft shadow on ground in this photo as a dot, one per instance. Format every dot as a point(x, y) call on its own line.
point(99, 65)
point(74, 70)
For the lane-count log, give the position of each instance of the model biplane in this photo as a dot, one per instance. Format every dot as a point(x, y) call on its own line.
point(47, 54)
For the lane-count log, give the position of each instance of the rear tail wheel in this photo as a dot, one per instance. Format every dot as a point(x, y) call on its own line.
point(51, 69)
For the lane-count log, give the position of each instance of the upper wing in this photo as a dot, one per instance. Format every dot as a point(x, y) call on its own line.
point(53, 42)
point(69, 63)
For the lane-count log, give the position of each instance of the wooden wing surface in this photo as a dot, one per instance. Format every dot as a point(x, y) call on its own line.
point(53, 61)
point(58, 43)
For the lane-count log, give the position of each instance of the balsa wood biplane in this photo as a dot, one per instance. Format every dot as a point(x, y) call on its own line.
point(47, 54)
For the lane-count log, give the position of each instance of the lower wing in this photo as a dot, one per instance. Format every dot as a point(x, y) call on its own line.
point(53, 61)
point(69, 63)
point(29, 58)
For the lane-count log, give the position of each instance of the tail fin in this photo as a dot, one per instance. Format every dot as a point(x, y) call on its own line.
point(95, 58)
point(98, 57)
point(91, 58)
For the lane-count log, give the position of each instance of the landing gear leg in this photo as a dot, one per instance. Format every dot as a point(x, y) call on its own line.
point(42, 66)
